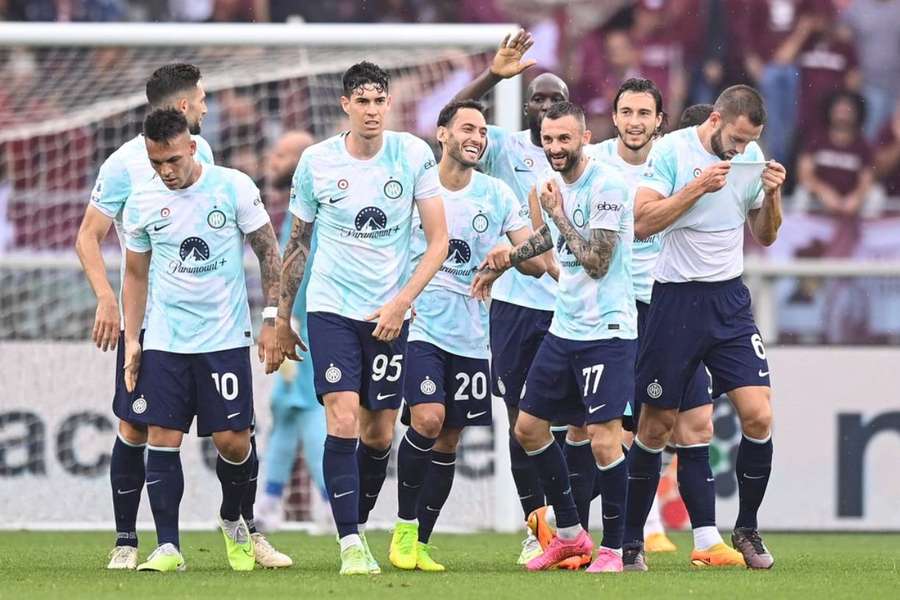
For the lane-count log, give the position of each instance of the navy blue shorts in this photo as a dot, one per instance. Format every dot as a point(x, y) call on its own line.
point(693, 323)
point(698, 388)
point(516, 334)
point(121, 398)
point(346, 358)
point(458, 382)
point(172, 388)
point(600, 373)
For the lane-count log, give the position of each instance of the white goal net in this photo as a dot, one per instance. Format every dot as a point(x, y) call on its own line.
point(69, 96)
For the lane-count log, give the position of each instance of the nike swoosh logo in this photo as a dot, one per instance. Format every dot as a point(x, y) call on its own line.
point(342, 494)
point(412, 487)
point(612, 517)
point(368, 495)
point(753, 477)
point(232, 415)
point(469, 414)
point(521, 170)
point(154, 481)
point(123, 492)
point(711, 479)
point(333, 200)
point(763, 373)
point(384, 396)
point(159, 227)
point(526, 497)
point(593, 409)
point(432, 509)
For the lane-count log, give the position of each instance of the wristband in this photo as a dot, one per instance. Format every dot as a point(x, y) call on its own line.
point(270, 312)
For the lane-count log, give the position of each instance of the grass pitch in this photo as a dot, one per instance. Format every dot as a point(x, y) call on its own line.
point(71, 565)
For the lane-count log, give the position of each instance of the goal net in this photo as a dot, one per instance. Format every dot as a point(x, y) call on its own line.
point(69, 96)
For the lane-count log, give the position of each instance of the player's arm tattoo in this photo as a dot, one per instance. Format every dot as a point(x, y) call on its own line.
point(265, 247)
point(539, 242)
point(594, 254)
point(296, 253)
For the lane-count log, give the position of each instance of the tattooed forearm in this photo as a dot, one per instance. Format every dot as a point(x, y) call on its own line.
point(594, 254)
point(296, 252)
point(539, 242)
point(265, 246)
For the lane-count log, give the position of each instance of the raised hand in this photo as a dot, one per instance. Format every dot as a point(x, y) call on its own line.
point(508, 59)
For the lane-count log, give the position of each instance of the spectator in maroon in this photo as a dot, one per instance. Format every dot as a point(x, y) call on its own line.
point(828, 63)
point(887, 155)
point(769, 34)
point(835, 168)
point(660, 50)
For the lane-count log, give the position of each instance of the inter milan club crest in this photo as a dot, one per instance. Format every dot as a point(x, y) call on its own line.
point(578, 217)
point(216, 219)
point(697, 171)
point(428, 387)
point(393, 189)
point(332, 374)
point(139, 406)
point(480, 223)
point(654, 390)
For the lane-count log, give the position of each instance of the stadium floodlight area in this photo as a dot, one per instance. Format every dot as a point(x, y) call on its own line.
point(70, 94)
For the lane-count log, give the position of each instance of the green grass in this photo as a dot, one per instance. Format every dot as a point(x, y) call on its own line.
point(71, 565)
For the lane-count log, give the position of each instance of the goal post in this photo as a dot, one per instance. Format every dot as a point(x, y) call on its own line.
point(70, 94)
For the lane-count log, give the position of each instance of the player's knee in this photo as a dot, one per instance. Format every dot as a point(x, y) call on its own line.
point(529, 434)
point(132, 434)
point(693, 431)
point(344, 424)
point(233, 446)
point(428, 422)
point(758, 422)
point(606, 449)
point(655, 428)
point(448, 440)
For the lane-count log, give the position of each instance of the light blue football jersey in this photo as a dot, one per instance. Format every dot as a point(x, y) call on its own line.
point(126, 169)
point(706, 242)
point(644, 251)
point(478, 217)
point(514, 159)
point(595, 309)
point(363, 213)
point(196, 236)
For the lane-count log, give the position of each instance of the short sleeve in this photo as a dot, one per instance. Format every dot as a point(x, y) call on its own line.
point(609, 206)
point(496, 140)
point(250, 210)
point(661, 170)
point(204, 151)
point(136, 237)
point(112, 188)
point(427, 184)
point(515, 216)
point(303, 203)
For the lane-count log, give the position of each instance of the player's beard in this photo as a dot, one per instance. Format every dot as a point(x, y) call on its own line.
point(534, 125)
point(632, 147)
point(572, 159)
point(194, 128)
point(715, 142)
point(456, 153)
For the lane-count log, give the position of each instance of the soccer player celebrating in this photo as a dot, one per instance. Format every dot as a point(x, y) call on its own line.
point(360, 189)
point(591, 345)
point(171, 86)
point(446, 380)
point(187, 232)
point(521, 309)
point(702, 184)
point(637, 117)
